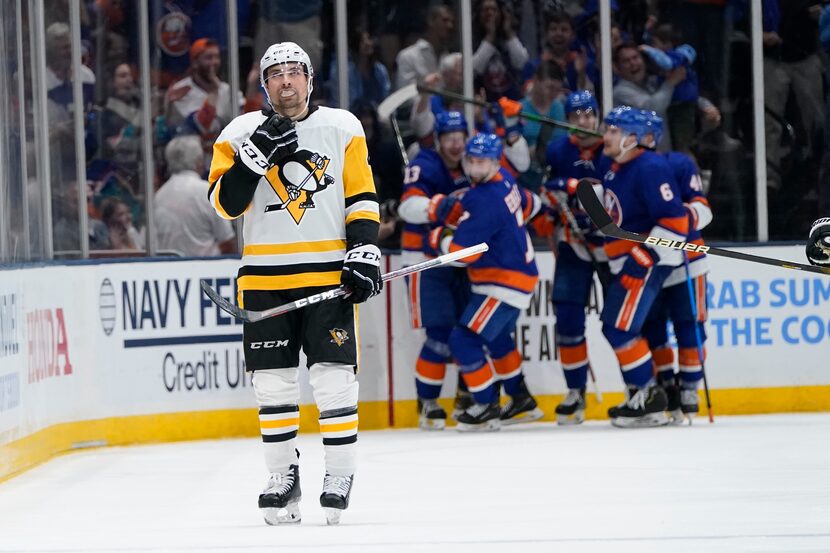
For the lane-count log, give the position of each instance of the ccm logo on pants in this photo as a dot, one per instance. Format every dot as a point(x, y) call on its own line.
point(269, 344)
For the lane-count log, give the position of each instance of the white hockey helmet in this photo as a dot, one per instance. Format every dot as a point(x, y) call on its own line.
point(286, 52)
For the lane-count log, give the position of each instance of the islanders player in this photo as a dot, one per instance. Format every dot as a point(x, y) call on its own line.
point(502, 280)
point(641, 195)
point(432, 183)
point(578, 255)
point(687, 313)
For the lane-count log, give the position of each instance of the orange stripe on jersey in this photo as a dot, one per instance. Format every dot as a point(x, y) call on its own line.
point(415, 300)
point(679, 225)
point(412, 240)
point(412, 192)
point(504, 277)
point(357, 176)
point(483, 314)
point(663, 357)
point(223, 154)
point(700, 297)
point(618, 248)
point(700, 200)
point(430, 370)
point(634, 354)
point(696, 255)
point(509, 363)
point(480, 378)
point(629, 307)
point(469, 259)
point(573, 356)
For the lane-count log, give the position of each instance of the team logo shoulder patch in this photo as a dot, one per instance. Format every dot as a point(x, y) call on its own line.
point(338, 336)
point(296, 180)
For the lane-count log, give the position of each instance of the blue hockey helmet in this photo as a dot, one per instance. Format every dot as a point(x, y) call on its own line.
point(484, 145)
point(581, 100)
point(655, 125)
point(450, 121)
point(630, 121)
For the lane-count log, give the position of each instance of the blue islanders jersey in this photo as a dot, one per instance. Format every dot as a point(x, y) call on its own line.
point(425, 176)
point(567, 160)
point(690, 187)
point(641, 196)
point(495, 213)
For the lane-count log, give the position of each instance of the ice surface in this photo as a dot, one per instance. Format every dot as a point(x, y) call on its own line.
point(757, 483)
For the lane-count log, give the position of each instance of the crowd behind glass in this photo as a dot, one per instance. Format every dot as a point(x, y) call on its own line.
point(689, 60)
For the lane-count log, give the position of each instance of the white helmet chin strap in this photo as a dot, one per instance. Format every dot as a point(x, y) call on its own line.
point(623, 148)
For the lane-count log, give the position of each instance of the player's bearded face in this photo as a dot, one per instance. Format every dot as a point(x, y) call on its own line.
point(480, 169)
point(287, 86)
point(615, 139)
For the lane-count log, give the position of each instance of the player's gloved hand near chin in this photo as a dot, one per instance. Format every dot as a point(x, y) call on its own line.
point(818, 244)
point(361, 273)
point(273, 140)
point(446, 210)
point(505, 114)
point(636, 268)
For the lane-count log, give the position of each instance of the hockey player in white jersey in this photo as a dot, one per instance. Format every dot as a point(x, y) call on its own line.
point(301, 176)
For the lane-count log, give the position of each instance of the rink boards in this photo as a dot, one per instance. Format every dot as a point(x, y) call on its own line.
point(129, 352)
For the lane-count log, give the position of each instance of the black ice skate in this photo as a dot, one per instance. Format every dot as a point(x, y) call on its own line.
point(572, 408)
point(521, 408)
point(480, 417)
point(673, 402)
point(335, 496)
point(280, 501)
point(431, 416)
point(463, 399)
point(646, 407)
point(689, 403)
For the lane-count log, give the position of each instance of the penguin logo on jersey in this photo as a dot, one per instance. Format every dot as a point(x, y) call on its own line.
point(338, 336)
point(296, 180)
point(613, 207)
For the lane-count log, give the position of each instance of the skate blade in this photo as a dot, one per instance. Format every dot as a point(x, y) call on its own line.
point(332, 515)
point(571, 420)
point(489, 426)
point(290, 514)
point(432, 424)
point(526, 416)
point(676, 418)
point(650, 420)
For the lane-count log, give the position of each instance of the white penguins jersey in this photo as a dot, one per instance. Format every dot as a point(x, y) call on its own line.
point(294, 227)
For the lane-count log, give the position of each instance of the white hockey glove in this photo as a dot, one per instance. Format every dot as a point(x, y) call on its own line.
point(361, 273)
point(818, 244)
point(274, 139)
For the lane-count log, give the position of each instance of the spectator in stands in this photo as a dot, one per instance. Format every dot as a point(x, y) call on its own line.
point(449, 77)
point(121, 121)
point(291, 21)
point(559, 49)
point(791, 64)
point(118, 218)
point(185, 222)
point(543, 98)
point(636, 88)
point(499, 54)
point(201, 102)
point(420, 59)
point(368, 78)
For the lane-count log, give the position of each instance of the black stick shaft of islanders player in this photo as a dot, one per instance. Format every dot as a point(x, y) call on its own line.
point(698, 337)
point(253, 316)
point(593, 206)
point(523, 114)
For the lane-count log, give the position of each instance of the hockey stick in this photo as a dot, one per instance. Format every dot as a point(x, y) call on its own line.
point(253, 316)
point(698, 339)
point(523, 114)
point(593, 206)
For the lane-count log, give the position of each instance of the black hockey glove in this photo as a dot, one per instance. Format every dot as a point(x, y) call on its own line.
point(818, 245)
point(361, 273)
point(274, 139)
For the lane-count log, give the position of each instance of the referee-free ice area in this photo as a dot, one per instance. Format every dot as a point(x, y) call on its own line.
point(757, 483)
